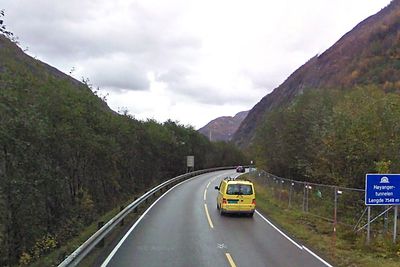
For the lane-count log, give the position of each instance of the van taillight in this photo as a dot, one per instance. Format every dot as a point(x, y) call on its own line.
point(254, 201)
point(224, 201)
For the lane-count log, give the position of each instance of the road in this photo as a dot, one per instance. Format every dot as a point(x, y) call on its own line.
point(184, 228)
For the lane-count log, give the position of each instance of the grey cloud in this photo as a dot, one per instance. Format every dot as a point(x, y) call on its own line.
point(179, 81)
point(121, 76)
point(205, 93)
point(79, 32)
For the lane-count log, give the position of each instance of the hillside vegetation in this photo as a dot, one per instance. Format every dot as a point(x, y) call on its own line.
point(337, 117)
point(332, 136)
point(66, 158)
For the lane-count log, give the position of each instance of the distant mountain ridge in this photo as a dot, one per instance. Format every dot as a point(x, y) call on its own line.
point(368, 54)
point(223, 128)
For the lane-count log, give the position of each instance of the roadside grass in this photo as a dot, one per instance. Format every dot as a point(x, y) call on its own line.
point(346, 249)
point(58, 255)
point(55, 257)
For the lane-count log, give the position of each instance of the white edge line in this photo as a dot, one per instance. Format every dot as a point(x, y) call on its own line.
point(318, 257)
point(277, 229)
point(291, 240)
point(108, 259)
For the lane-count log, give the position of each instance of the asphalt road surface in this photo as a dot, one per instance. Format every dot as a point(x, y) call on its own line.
point(184, 228)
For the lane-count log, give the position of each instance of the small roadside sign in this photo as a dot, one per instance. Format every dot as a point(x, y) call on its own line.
point(190, 161)
point(382, 189)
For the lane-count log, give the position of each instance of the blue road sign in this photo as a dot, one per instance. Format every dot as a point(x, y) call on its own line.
point(382, 189)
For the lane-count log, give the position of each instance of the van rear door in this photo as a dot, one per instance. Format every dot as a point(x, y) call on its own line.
point(241, 195)
point(246, 196)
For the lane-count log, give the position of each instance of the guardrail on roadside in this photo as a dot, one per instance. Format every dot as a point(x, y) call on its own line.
point(81, 252)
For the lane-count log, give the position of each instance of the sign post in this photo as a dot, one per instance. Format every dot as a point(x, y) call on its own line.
point(369, 225)
point(382, 190)
point(395, 224)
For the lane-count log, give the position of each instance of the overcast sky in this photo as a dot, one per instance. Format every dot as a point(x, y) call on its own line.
point(185, 60)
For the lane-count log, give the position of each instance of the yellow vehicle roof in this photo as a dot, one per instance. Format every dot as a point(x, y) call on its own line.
point(239, 182)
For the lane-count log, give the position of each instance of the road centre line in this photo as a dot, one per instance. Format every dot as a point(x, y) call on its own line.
point(208, 216)
point(291, 240)
point(231, 262)
point(205, 205)
point(114, 251)
point(205, 191)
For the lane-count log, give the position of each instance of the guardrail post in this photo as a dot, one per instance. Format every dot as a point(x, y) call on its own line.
point(304, 197)
point(307, 196)
point(334, 219)
point(122, 221)
point(101, 243)
point(135, 210)
point(290, 194)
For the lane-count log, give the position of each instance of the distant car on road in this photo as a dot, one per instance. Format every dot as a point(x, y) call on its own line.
point(240, 169)
point(236, 196)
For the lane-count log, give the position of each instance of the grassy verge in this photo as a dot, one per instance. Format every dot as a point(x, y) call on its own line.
point(344, 249)
point(53, 258)
point(56, 256)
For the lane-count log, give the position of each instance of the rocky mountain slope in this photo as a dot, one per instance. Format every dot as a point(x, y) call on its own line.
point(368, 54)
point(223, 128)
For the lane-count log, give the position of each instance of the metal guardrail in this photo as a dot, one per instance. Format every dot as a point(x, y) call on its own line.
point(81, 252)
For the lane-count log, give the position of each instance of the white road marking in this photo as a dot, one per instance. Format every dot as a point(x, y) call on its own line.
point(221, 246)
point(205, 191)
point(108, 259)
point(208, 216)
point(277, 229)
point(291, 240)
point(205, 198)
point(231, 262)
point(318, 257)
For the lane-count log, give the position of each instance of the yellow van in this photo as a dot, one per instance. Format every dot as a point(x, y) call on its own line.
point(236, 196)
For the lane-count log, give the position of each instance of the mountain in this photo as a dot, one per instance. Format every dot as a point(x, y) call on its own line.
point(368, 54)
point(223, 128)
point(12, 57)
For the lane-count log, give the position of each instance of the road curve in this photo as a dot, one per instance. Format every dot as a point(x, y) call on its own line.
point(184, 228)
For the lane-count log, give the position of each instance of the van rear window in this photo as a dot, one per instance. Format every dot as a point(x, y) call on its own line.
point(239, 189)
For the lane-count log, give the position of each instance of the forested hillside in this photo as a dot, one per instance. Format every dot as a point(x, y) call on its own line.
point(66, 158)
point(332, 136)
